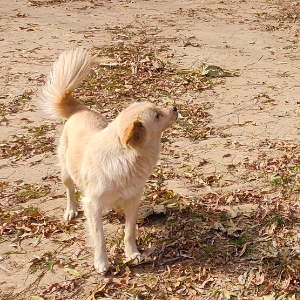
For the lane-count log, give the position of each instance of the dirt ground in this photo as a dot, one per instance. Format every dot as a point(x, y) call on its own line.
point(228, 173)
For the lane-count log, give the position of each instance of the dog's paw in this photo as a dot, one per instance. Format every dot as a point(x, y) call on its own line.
point(134, 258)
point(101, 266)
point(70, 214)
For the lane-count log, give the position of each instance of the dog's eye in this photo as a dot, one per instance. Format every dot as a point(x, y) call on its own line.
point(158, 116)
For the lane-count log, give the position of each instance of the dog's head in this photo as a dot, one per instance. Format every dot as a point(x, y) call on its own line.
point(143, 122)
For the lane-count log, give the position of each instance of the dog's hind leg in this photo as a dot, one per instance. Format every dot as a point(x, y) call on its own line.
point(131, 213)
point(71, 211)
point(93, 215)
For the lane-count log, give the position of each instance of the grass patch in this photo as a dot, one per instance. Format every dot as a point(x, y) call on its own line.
point(30, 191)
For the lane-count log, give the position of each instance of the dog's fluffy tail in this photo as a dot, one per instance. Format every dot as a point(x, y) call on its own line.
point(69, 70)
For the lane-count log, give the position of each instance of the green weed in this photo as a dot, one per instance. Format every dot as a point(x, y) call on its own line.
point(30, 191)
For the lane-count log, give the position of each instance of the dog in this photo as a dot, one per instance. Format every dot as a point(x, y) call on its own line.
point(108, 162)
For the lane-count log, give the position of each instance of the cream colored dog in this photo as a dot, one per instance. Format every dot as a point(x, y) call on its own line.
point(110, 163)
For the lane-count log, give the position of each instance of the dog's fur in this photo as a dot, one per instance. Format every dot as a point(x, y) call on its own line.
point(110, 163)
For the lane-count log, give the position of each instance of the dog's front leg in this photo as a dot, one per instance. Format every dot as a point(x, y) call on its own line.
point(131, 213)
point(94, 217)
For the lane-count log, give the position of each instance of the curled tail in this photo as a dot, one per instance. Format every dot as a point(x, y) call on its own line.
point(68, 71)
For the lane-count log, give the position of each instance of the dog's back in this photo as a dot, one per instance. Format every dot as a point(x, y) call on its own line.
point(68, 72)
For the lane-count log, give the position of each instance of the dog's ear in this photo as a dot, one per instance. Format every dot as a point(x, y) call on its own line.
point(134, 134)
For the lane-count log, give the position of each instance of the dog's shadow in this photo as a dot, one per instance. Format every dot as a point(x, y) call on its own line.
point(196, 236)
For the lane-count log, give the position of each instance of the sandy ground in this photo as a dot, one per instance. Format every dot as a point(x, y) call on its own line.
point(253, 110)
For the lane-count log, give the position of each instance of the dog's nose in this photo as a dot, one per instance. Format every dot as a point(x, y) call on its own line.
point(174, 108)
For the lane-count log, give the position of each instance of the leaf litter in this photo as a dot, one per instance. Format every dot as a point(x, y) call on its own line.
point(25, 146)
point(15, 105)
point(201, 250)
